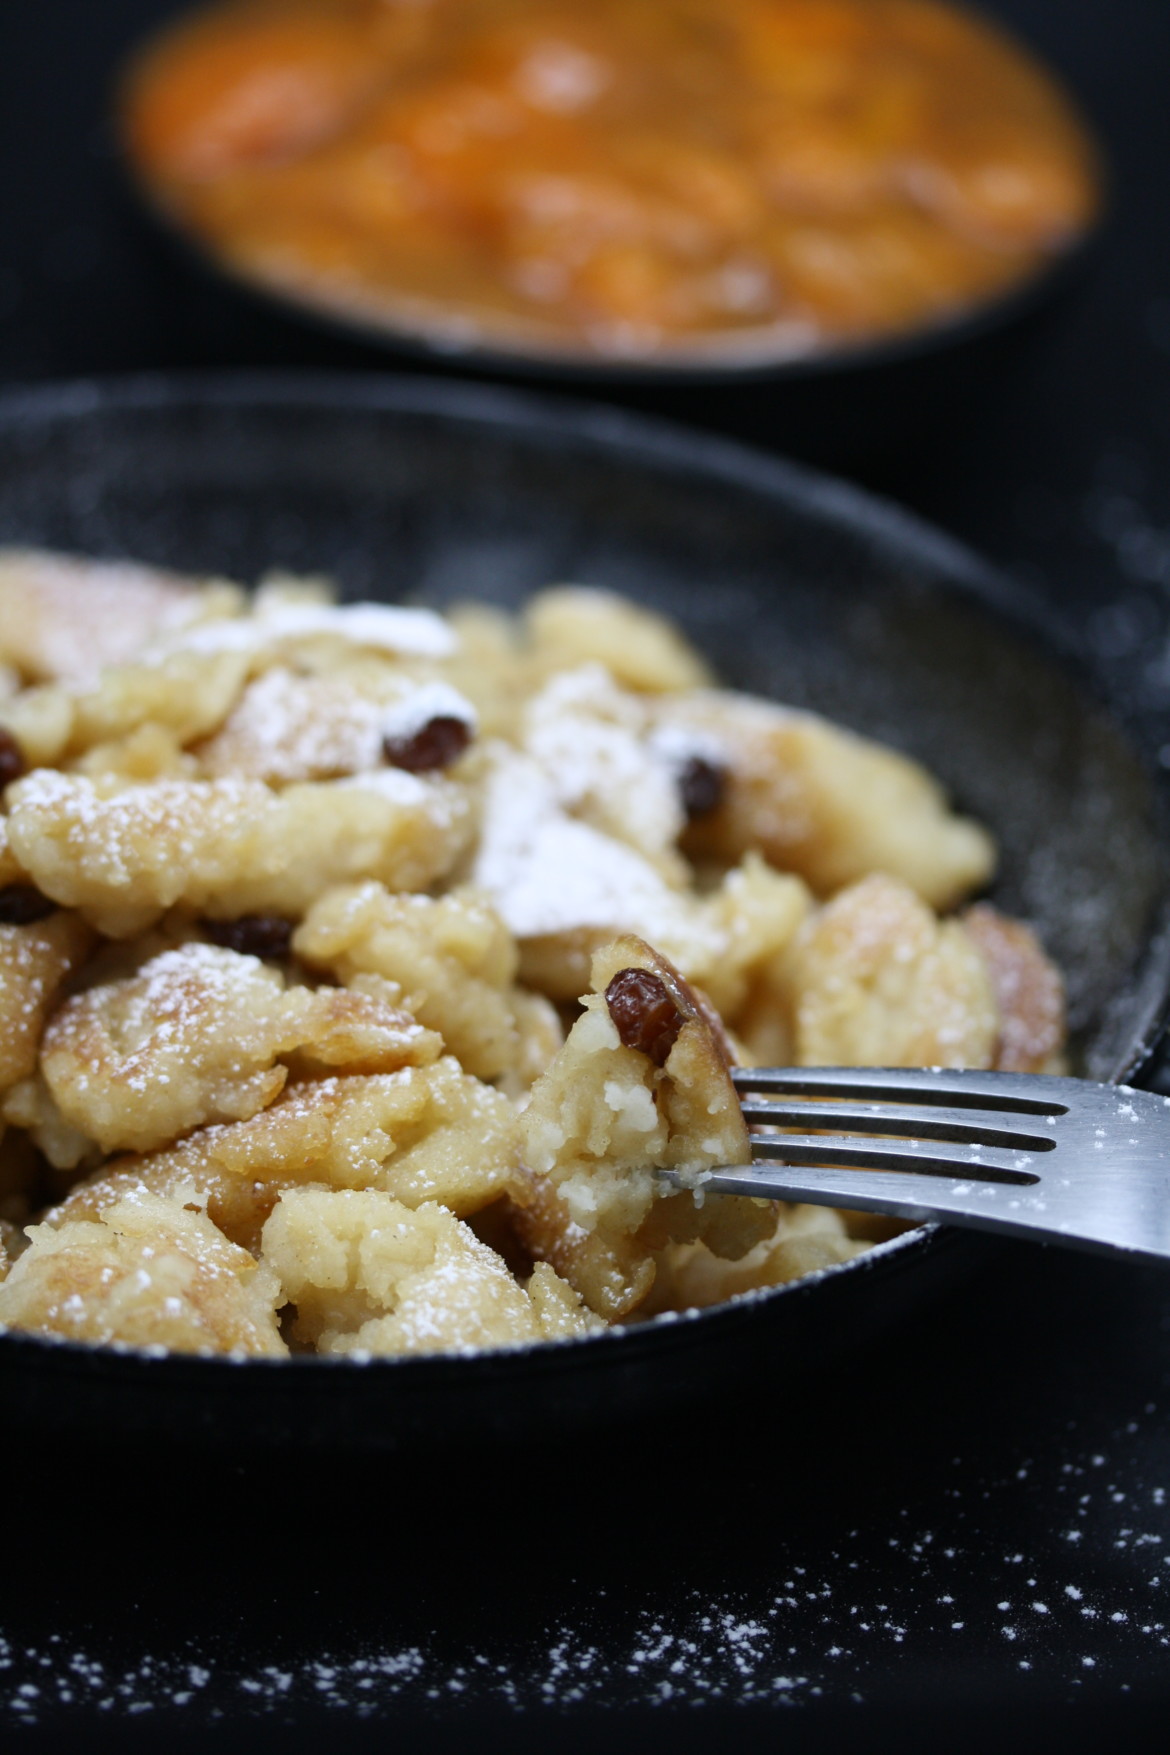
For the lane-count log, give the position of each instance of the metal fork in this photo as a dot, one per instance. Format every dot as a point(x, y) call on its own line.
point(1055, 1159)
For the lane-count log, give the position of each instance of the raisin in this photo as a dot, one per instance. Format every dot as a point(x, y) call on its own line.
point(434, 745)
point(700, 786)
point(12, 762)
point(644, 1014)
point(252, 935)
point(22, 904)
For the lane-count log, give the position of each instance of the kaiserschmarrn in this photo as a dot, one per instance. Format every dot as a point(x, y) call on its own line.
point(359, 966)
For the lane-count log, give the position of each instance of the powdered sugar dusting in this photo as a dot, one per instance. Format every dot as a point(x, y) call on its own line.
point(590, 739)
point(290, 727)
point(416, 708)
point(546, 872)
point(399, 787)
point(380, 627)
point(1076, 1595)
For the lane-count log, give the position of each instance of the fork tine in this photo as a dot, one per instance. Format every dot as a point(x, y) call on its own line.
point(1021, 1094)
point(1101, 1183)
point(937, 1124)
point(1003, 1208)
point(959, 1163)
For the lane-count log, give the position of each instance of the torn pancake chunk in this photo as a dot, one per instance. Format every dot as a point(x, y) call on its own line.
point(146, 1273)
point(579, 624)
point(825, 803)
point(201, 1034)
point(877, 980)
point(124, 854)
point(370, 1276)
point(806, 1240)
point(62, 618)
point(428, 1133)
point(641, 1084)
point(1029, 992)
point(450, 961)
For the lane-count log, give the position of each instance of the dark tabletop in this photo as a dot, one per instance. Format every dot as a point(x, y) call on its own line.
point(960, 1533)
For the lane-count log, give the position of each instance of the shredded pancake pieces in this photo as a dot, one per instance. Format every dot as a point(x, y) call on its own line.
point(360, 967)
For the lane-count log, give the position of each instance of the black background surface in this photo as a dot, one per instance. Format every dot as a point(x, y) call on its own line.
point(962, 1536)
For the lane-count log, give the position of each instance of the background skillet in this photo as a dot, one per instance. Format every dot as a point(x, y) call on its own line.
point(888, 121)
point(792, 584)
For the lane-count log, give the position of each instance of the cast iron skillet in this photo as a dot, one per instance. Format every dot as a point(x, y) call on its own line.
point(849, 406)
point(426, 335)
point(794, 585)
